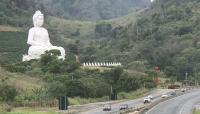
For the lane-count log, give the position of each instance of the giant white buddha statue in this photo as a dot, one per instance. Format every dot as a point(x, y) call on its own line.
point(39, 41)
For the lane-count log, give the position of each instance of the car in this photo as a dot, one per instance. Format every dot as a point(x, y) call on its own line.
point(173, 93)
point(150, 96)
point(107, 107)
point(183, 90)
point(123, 106)
point(147, 100)
point(164, 96)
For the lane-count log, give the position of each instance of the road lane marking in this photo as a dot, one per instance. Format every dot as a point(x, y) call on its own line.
point(182, 108)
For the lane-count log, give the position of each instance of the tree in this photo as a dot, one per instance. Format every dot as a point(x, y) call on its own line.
point(128, 83)
point(97, 87)
point(7, 92)
point(56, 89)
point(49, 62)
point(103, 29)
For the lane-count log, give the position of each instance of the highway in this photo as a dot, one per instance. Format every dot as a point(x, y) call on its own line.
point(131, 103)
point(183, 104)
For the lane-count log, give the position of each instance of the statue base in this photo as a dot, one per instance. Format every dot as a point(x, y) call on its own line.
point(28, 58)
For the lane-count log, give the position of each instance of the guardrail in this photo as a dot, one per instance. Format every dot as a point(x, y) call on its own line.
point(132, 109)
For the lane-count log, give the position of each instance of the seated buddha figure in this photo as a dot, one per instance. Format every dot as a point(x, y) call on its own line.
point(39, 41)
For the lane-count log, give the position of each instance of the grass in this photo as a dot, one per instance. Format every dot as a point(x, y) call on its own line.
point(67, 27)
point(4, 28)
point(132, 95)
point(21, 81)
point(197, 112)
point(81, 101)
point(121, 96)
point(32, 111)
point(101, 69)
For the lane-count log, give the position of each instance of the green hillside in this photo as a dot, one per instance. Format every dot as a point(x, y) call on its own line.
point(12, 46)
point(167, 35)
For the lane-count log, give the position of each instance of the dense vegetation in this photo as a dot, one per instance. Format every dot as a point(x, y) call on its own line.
point(170, 31)
point(165, 35)
point(67, 78)
point(11, 14)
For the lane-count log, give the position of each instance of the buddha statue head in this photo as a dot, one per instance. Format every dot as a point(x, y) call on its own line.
point(38, 19)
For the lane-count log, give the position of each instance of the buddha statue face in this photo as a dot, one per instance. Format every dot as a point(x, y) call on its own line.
point(38, 19)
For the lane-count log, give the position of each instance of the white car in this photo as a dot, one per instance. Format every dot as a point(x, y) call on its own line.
point(107, 107)
point(123, 106)
point(183, 90)
point(147, 100)
point(150, 96)
point(164, 96)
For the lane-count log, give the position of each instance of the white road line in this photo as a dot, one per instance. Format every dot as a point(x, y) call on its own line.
point(182, 108)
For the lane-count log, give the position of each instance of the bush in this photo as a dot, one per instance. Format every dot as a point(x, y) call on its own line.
point(15, 68)
point(129, 83)
point(5, 108)
point(173, 86)
point(103, 29)
point(7, 92)
point(96, 87)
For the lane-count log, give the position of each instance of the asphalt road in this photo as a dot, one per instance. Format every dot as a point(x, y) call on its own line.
point(115, 107)
point(183, 104)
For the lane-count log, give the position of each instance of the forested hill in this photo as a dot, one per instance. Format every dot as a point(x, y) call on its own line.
point(167, 35)
point(93, 9)
point(79, 9)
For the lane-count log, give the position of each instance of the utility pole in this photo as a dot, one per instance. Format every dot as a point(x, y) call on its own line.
point(186, 78)
point(137, 31)
point(195, 76)
point(144, 86)
point(72, 78)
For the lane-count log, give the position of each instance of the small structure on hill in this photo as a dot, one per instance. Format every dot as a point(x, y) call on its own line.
point(102, 64)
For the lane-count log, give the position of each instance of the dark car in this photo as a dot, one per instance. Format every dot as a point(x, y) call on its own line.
point(173, 93)
point(106, 107)
point(123, 106)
